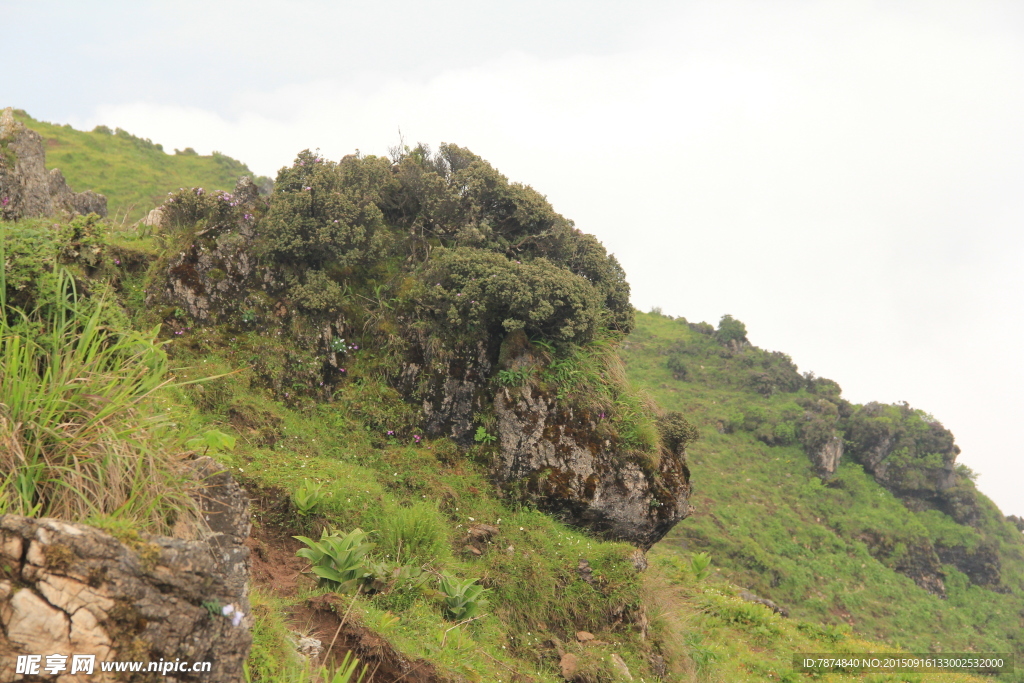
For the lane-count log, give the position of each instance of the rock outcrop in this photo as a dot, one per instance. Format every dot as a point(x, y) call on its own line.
point(453, 383)
point(770, 604)
point(550, 451)
point(26, 189)
point(826, 457)
point(980, 564)
point(70, 589)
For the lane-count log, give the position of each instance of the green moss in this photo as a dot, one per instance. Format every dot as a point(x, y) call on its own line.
point(58, 557)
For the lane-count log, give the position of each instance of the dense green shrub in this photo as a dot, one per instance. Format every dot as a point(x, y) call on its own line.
point(198, 208)
point(678, 367)
point(818, 424)
point(730, 329)
point(875, 431)
point(454, 198)
point(325, 215)
point(676, 431)
point(484, 292)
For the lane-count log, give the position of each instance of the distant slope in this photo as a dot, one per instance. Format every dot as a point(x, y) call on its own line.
point(843, 551)
point(134, 173)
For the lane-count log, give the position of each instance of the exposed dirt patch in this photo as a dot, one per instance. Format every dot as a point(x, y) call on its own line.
point(273, 563)
point(321, 616)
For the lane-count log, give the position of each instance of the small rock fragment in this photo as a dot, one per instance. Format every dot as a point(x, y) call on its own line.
point(620, 668)
point(569, 664)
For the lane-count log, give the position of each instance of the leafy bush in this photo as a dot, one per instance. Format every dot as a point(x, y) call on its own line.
point(818, 425)
point(324, 214)
point(198, 208)
point(484, 293)
point(676, 431)
point(464, 598)
point(678, 367)
point(456, 199)
point(337, 560)
point(730, 329)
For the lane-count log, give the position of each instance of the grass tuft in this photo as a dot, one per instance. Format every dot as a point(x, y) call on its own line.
point(76, 437)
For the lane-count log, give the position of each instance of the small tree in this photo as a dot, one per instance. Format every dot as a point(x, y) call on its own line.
point(729, 329)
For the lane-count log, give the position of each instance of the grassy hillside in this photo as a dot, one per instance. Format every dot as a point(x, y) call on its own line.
point(133, 173)
point(346, 452)
point(839, 552)
point(316, 466)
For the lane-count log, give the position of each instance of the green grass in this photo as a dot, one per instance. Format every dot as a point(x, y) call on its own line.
point(79, 437)
point(133, 173)
point(831, 552)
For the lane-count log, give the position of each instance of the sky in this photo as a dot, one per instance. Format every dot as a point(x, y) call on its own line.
point(846, 177)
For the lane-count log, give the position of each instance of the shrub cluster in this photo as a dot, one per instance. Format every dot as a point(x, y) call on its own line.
point(475, 289)
point(325, 215)
point(486, 256)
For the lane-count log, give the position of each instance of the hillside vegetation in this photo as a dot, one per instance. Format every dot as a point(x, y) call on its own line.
point(892, 558)
point(359, 381)
point(133, 173)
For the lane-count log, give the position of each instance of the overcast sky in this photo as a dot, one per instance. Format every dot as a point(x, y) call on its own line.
point(846, 177)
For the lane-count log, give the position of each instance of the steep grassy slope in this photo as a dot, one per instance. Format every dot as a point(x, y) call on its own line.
point(133, 173)
point(839, 552)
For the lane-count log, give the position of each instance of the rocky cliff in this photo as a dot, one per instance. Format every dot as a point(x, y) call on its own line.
point(26, 188)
